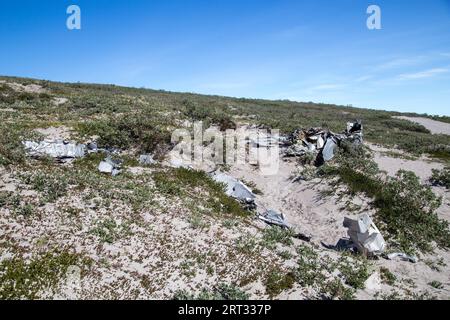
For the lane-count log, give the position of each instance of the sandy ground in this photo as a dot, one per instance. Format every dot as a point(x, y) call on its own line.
point(151, 262)
point(311, 213)
point(55, 133)
point(31, 88)
point(60, 101)
point(422, 166)
point(435, 127)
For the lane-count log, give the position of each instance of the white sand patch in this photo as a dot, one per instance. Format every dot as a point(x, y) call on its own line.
point(301, 202)
point(422, 167)
point(31, 88)
point(436, 127)
point(59, 101)
point(55, 133)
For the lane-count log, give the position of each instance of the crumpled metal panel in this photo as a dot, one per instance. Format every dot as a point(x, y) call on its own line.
point(146, 159)
point(329, 149)
point(55, 149)
point(110, 166)
point(273, 217)
point(403, 256)
point(365, 235)
point(234, 187)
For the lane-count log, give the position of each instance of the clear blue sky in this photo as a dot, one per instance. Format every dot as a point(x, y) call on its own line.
point(316, 50)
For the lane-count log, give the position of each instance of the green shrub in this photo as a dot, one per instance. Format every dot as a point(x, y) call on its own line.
point(441, 177)
point(183, 182)
point(28, 280)
point(405, 207)
point(273, 235)
point(407, 210)
point(109, 230)
point(221, 292)
point(142, 131)
point(209, 115)
point(335, 289)
point(387, 276)
point(11, 148)
point(354, 271)
point(52, 185)
point(278, 281)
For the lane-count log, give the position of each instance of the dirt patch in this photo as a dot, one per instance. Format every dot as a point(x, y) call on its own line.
point(55, 133)
point(391, 164)
point(435, 127)
point(59, 101)
point(30, 88)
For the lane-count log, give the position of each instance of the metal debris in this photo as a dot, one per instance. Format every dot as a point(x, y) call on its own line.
point(329, 149)
point(403, 256)
point(110, 166)
point(146, 159)
point(322, 143)
point(354, 131)
point(179, 163)
point(237, 190)
point(365, 235)
point(275, 218)
point(92, 147)
point(234, 187)
point(266, 141)
point(55, 149)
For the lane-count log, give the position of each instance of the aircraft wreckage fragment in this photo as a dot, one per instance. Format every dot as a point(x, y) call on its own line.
point(365, 235)
point(322, 143)
point(110, 166)
point(58, 149)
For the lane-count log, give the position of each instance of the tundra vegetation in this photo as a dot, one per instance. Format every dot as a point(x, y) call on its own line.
point(179, 223)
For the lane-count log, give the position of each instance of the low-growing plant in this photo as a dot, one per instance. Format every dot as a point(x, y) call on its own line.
point(308, 264)
point(197, 221)
point(355, 271)
point(11, 148)
point(335, 289)
point(387, 276)
point(29, 280)
point(441, 177)
point(221, 292)
point(278, 281)
point(194, 184)
point(274, 234)
point(436, 284)
point(109, 230)
point(52, 185)
point(405, 207)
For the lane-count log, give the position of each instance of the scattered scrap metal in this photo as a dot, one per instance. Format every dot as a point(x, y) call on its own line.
point(64, 151)
point(365, 235)
point(274, 218)
point(367, 239)
point(236, 189)
point(322, 143)
point(110, 166)
point(59, 149)
point(403, 257)
point(146, 159)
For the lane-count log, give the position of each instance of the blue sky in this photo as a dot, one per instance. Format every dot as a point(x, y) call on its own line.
point(316, 50)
